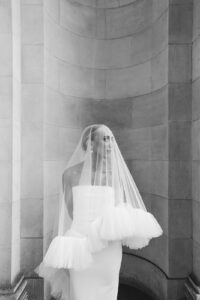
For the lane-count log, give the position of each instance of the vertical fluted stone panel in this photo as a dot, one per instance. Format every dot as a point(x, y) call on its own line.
point(179, 129)
point(5, 141)
point(195, 142)
point(32, 135)
point(10, 143)
point(10, 91)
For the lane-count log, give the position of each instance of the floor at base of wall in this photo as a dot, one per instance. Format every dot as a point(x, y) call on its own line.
point(130, 293)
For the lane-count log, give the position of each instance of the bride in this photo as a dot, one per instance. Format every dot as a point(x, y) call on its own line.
point(100, 209)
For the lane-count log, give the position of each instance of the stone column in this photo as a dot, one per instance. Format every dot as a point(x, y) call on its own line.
point(32, 48)
point(179, 131)
point(193, 282)
point(11, 280)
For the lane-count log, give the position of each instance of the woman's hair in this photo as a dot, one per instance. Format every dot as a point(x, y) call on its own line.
point(90, 131)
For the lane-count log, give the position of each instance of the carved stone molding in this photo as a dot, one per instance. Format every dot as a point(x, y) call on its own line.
point(192, 291)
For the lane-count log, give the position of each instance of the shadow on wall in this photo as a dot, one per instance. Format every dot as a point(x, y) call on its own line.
point(127, 292)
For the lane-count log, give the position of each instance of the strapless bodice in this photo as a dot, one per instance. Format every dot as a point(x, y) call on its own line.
point(88, 203)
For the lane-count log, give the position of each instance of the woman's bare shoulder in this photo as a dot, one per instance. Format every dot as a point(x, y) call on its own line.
point(72, 172)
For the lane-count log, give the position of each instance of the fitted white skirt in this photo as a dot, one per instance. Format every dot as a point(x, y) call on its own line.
point(101, 279)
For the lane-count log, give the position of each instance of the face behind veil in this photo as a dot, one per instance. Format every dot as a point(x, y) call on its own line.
point(96, 161)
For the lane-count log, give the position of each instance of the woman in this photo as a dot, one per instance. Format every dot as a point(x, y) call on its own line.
point(100, 210)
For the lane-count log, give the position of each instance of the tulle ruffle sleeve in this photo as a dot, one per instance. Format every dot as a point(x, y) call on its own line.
point(135, 227)
point(71, 251)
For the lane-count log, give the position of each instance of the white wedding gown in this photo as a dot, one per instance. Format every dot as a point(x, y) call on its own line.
point(100, 280)
point(84, 263)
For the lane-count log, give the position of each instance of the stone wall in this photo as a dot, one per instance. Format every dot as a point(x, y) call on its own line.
point(125, 63)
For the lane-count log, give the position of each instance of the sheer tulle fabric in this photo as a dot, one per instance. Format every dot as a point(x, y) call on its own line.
point(99, 203)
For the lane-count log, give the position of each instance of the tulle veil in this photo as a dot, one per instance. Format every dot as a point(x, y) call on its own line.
point(97, 161)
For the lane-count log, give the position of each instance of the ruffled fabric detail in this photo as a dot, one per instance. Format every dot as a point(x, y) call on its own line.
point(124, 221)
point(68, 252)
point(58, 279)
point(116, 223)
point(145, 223)
point(136, 242)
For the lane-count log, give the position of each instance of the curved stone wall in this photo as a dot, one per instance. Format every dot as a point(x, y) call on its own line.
point(108, 63)
point(147, 277)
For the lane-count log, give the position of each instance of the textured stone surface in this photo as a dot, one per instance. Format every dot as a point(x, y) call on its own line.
point(82, 82)
point(79, 19)
point(195, 140)
point(160, 209)
point(180, 63)
point(180, 23)
point(32, 102)
point(196, 221)
point(5, 143)
point(196, 59)
point(32, 217)
point(32, 72)
point(150, 110)
point(32, 22)
point(195, 180)
point(180, 141)
point(5, 271)
point(159, 39)
point(179, 102)
point(159, 142)
point(30, 2)
point(175, 289)
point(50, 207)
point(151, 176)
point(195, 100)
point(31, 175)
point(5, 17)
point(5, 55)
point(31, 254)
point(52, 8)
point(180, 218)
point(52, 173)
point(5, 222)
point(128, 82)
point(196, 18)
point(180, 265)
point(137, 271)
point(128, 20)
point(51, 71)
point(159, 70)
point(160, 247)
point(179, 180)
point(196, 259)
point(5, 181)
point(135, 144)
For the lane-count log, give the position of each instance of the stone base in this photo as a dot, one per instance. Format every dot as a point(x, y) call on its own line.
point(24, 289)
point(192, 291)
point(18, 292)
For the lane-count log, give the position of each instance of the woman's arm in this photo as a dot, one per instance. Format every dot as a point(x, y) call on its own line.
point(67, 187)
